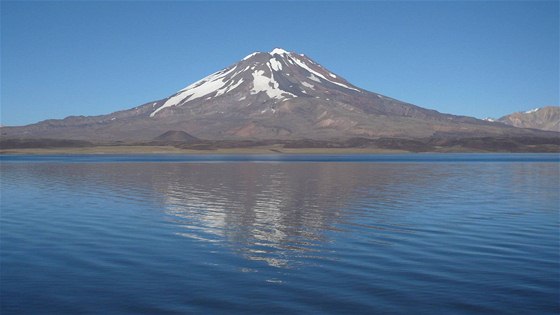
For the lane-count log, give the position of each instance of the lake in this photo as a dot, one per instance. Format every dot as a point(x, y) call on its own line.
point(298, 234)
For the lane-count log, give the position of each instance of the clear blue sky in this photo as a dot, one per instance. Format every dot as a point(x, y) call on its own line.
point(471, 58)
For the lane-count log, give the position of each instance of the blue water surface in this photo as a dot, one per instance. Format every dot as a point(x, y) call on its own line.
point(279, 158)
point(286, 234)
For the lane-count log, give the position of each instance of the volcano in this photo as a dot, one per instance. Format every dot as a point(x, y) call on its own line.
point(268, 95)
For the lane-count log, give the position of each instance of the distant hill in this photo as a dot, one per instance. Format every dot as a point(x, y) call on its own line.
point(545, 118)
point(176, 136)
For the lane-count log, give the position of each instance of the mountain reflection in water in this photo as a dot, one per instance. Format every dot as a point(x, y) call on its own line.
point(273, 214)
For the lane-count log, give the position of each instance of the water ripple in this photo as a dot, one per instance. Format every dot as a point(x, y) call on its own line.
point(410, 237)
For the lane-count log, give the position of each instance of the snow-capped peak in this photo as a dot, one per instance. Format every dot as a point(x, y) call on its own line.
point(278, 75)
point(532, 111)
point(275, 51)
point(278, 51)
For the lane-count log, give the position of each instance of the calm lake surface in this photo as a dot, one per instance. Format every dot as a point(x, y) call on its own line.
point(402, 234)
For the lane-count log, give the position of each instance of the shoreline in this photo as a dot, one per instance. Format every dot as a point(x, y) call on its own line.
point(260, 150)
point(156, 150)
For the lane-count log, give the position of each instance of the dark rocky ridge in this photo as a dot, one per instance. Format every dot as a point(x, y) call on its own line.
point(431, 144)
point(43, 143)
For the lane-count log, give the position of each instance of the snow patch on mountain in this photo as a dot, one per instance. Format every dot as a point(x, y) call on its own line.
point(228, 88)
point(240, 71)
point(314, 78)
point(262, 83)
point(304, 66)
point(278, 51)
point(210, 84)
point(268, 110)
point(289, 59)
point(276, 65)
point(532, 111)
point(308, 85)
point(250, 55)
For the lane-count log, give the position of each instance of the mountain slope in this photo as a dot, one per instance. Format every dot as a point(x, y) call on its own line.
point(545, 118)
point(268, 95)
